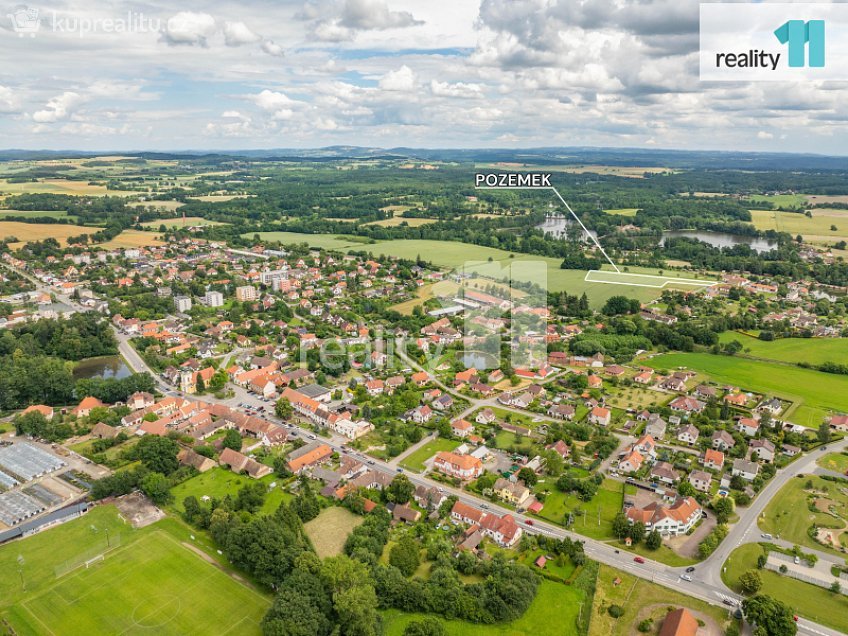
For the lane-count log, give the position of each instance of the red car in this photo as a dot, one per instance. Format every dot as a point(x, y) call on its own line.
point(639, 559)
point(529, 522)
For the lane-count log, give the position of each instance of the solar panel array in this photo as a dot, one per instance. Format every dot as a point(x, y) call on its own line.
point(28, 462)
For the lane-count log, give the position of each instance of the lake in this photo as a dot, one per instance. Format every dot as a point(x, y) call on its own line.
point(722, 239)
point(102, 367)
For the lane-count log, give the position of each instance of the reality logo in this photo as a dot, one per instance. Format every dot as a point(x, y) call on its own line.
point(24, 20)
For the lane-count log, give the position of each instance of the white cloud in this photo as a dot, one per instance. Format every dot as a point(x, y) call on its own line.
point(238, 33)
point(458, 89)
point(58, 108)
point(402, 79)
point(277, 104)
point(762, 134)
point(10, 101)
point(272, 49)
point(374, 14)
point(189, 28)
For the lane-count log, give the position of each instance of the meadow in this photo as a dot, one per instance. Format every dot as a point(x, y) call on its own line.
point(813, 394)
point(189, 221)
point(399, 220)
point(793, 350)
point(61, 186)
point(219, 482)
point(805, 599)
point(37, 214)
point(553, 612)
point(780, 200)
point(328, 531)
point(623, 211)
point(816, 229)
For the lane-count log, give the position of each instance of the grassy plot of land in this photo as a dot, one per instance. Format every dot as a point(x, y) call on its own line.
point(212, 198)
point(133, 238)
point(37, 214)
point(553, 612)
point(155, 585)
point(189, 221)
point(805, 599)
point(322, 241)
point(794, 350)
point(637, 597)
point(591, 518)
point(425, 293)
point(163, 205)
point(788, 514)
point(834, 461)
point(816, 229)
point(415, 461)
point(623, 211)
point(219, 482)
point(27, 232)
point(328, 531)
point(813, 393)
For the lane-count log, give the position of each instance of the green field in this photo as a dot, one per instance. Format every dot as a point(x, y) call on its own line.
point(189, 221)
point(789, 517)
point(815, 229)
point(328, 531)
point(154, 584)
point(837, 462)
point(807, 600)
point(623, 211)
point(638, 597)
point(219, 482)
point(321, 241)
point(780, 200)
point(794, 350)
point(814, 394)
point(37, 214)
point(415, 461)
point(553, 612)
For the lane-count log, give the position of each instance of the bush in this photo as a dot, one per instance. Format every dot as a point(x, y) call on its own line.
point(616, 611)
point(645, 626)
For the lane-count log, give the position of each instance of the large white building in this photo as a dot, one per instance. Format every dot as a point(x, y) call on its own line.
point(245, 293)
point(676, 519)
point(182, 303)
point(214, 299)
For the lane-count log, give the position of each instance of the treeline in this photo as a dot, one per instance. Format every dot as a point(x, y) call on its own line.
point(79, 336)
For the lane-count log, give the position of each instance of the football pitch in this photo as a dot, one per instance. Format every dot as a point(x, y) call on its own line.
point(153, 585)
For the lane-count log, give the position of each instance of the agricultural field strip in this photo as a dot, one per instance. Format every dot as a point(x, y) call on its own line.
point(666, 280)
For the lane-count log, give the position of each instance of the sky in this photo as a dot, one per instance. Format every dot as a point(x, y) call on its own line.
point(149, 75)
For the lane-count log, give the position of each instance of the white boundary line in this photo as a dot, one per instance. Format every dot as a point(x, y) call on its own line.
point(667, 280)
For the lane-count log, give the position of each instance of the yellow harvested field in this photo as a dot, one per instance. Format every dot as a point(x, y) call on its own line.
point(399, 220)
point(814, 230)
point(213, 198)
point(162, 205)
point(61, 186)
point(29, 232)
point(132, 238)
point(827, 198)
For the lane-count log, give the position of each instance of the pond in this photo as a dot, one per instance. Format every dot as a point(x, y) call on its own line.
point(103, 367)
point(479, 360)
point(722, 239)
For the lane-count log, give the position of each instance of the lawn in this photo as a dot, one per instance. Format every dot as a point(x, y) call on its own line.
point(553, 612)
point(26, 232)
point(425, 293)
point(834, 461)
point(788, 516)
point(623, 211)
point(399, 220)
point(132, 238)
point(815, 229)
point(153, 583)
point(219, 482)
point(328, 531)
point(807, 600)
point(596, 523)
point(794, 350)
point(813, 393)
point(321, 241)
point(415, 461)
point(37, 214)
point(635, 595)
